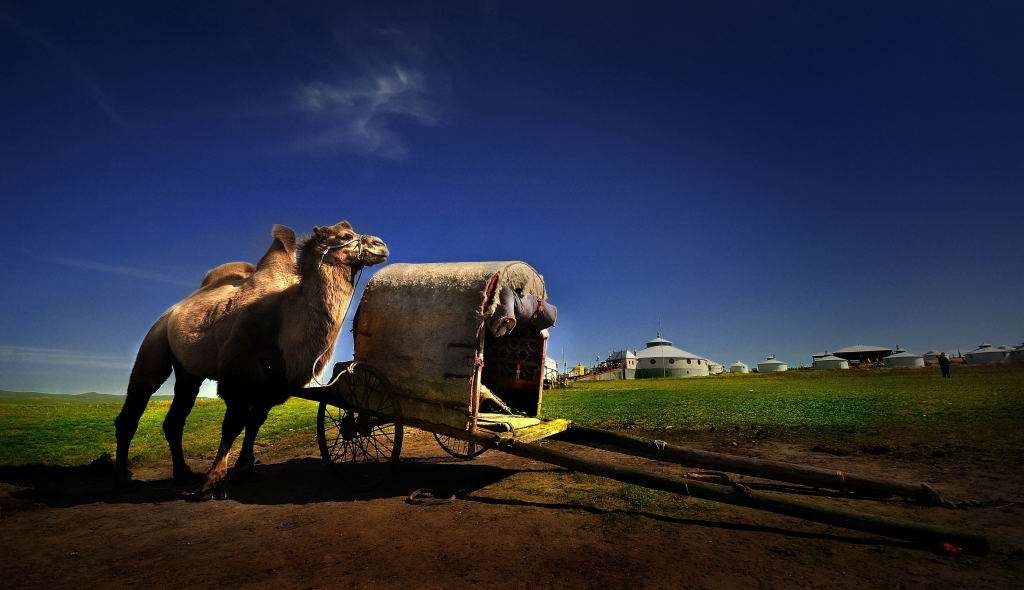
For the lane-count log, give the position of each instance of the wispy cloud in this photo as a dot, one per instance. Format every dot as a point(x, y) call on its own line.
point(57, 356)
point(359, 113)
point(137, 273)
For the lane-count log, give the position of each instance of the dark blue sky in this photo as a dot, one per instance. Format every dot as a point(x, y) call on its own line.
point(749, 178)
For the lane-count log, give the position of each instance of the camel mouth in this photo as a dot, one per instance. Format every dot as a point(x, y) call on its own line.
point(375, 250)
point(375, 255)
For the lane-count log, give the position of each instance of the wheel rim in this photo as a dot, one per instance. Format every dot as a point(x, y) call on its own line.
point(459, 448)
point(366, 427)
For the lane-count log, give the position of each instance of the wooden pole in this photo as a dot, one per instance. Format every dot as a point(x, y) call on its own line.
point(742, 496)
point(774, 470)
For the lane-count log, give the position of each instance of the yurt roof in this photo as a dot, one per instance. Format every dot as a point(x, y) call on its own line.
point(659, 341)
point(665, 351)
point(861, 348)
point(830, 357)
point(737, 364)
point(903, 354)
point(983, 347)
point(771, 361)
point(819, 355)
point(932, 353)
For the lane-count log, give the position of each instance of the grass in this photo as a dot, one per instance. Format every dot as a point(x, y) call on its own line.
point(70, 432)
point(981, 409)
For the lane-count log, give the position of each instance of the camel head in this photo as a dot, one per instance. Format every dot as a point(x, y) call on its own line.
point(339, 245)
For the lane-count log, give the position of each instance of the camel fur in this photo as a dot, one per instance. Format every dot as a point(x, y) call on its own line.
point(261, 332)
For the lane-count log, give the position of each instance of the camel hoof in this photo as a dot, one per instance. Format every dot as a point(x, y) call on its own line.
point(210, 490)
point(199, 496)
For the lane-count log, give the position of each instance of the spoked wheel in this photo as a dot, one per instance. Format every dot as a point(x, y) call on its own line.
point(364, 434)
point(456, 447)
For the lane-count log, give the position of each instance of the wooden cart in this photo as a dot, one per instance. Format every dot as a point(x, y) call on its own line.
point(423, 353)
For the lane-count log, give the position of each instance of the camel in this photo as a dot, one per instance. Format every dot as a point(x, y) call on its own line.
point(262, 332)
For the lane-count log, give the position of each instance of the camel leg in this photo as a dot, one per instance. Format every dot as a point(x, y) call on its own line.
point(214, 485)
point(245, 466)
point(186, 388)
point(151, 369)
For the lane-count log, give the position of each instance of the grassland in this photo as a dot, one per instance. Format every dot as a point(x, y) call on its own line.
point(980, 410)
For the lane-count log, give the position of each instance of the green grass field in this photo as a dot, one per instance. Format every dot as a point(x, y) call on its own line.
point(981, 407)
point(979, 411)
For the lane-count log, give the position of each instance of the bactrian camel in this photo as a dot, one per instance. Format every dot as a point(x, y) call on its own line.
point(261, 332)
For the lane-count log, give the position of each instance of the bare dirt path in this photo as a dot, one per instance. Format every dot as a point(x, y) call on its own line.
point(514, 524)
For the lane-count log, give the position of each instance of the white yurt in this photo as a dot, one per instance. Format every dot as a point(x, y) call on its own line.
point(661, 359)
point(902, 358)
point(986, 353)
point(771, 365)
point(714, 368)
point(1017, 355)
point(550, 369)
point(830, 361)
point(932, 356)
point(738, 367)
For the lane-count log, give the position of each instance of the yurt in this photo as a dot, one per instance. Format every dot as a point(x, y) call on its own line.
point(986, 353)
point(714, 368)
point(661, 359)
point(550, 369)
point(738, 367)
point(902, 358)
point(1017, 355)
point(771, 365)
point(932, 356)
point(830, 361)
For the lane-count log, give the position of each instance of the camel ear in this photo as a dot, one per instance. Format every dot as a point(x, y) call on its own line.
point(344, 225)
point(319, 231)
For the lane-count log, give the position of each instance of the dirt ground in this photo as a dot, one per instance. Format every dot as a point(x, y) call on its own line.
point(507, 527)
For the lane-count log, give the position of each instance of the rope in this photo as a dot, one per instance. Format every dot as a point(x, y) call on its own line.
point(426, 496)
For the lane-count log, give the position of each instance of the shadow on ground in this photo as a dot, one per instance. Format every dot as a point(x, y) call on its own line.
point(293, 481)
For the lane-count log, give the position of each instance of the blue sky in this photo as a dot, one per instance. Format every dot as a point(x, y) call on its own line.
point(749, 178)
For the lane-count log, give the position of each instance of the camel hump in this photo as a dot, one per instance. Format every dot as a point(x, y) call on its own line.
point(286, 237)
point(281, 254)
point(230, 272)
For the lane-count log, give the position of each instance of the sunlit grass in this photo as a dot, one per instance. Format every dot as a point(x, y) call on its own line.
point(74, 433)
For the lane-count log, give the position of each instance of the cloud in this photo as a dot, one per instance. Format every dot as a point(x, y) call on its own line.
point(359, 113)
point(56, 356)
point(128, 271)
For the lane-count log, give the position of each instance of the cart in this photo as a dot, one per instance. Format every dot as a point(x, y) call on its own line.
point(424, 352)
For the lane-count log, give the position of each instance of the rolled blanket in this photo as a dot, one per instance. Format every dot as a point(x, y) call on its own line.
point(514, 309)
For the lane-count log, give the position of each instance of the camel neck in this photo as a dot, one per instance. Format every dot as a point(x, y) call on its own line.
point(327, 290)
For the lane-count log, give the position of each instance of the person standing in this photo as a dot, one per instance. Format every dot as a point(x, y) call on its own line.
point(944, 364)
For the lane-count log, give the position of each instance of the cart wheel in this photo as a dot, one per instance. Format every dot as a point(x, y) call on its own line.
point(364, 434)
point(456, 447)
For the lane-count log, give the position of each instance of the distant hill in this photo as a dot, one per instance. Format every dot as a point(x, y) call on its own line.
point(91, 397)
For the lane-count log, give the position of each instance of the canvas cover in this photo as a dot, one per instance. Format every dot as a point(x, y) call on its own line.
point(421, 325)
